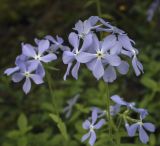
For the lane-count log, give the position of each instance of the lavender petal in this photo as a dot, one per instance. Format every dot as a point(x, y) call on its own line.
point(75, 70)
point(27, 86)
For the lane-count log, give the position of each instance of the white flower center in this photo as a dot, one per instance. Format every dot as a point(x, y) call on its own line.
point(82, 35)
point(91, 127)
point(140, 123)
point(76, 52)
point(99, 54)
point(27, 74)
point(37, 57)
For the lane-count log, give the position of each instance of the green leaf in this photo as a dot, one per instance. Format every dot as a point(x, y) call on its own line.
point(22, 122)
point(13, 134)
point(54, 117)
point(61, 126)
point(149, 83)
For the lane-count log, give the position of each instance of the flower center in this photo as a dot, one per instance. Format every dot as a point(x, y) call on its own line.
point(99, 54)
point(91, 127)
point(27, 74)
point(140, 123)
point(82, 35)
point(37, 57)
point(76, 52)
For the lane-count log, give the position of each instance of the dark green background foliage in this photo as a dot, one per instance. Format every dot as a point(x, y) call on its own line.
point(25, 120)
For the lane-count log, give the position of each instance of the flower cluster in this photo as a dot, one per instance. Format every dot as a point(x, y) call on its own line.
point(29, 65)
point(124, 113)
point(138, 123)
point(102, 57)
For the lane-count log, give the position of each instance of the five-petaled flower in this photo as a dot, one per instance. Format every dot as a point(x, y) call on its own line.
point(96, 58)
point(37, 55)
point(70, 56)
point(26, 71)
point(91, 126)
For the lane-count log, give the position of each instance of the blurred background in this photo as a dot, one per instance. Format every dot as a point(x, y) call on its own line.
point(24, 120)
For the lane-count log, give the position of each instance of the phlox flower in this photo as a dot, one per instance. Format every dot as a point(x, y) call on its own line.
point(86, 27)
point(56, 43)
point(91, 126)
point(37, 55)
point(123, 45)
point(140, 127)
point(130, 105)
point(26, 71)
point(98, 56)
point(71, 55)
point(19, 60)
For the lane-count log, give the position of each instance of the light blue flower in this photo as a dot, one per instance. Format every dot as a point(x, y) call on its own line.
point(19, 60)
point(70, 56)
point(130, 105)
point(56, 43)
point(86, 27)
point(37, 55)
point(95, 60)
point(27, 71)
point(91, 126)
point(140, 127)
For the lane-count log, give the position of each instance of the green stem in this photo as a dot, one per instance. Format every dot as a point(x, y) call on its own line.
point(99, 11)
point(112, 126)
point(125, 117)
point(51, 92)
point(108, 109)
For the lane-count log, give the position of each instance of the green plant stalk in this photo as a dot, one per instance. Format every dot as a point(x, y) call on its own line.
point(99, 11)
point(51, 92)
point(49, 79)
point(111, 125)
point(107, 100)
